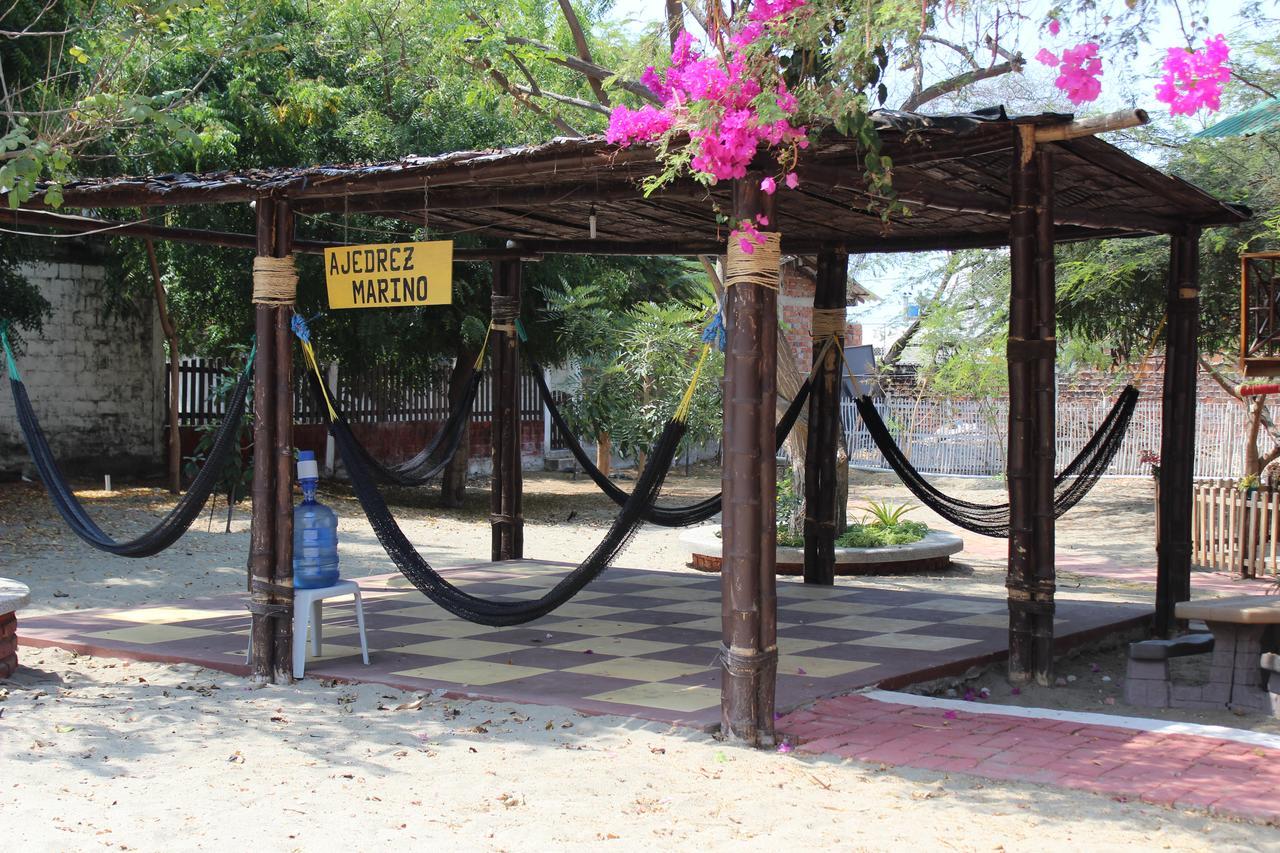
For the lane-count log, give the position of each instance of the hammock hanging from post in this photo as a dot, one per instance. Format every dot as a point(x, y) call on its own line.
point(1070, 486)
point(177, 521)
point(434, 586)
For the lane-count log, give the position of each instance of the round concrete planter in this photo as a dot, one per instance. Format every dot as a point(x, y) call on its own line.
point(13, 596)
point(930, 554)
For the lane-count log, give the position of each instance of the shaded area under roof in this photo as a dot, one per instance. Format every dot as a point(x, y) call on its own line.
point(952, 173)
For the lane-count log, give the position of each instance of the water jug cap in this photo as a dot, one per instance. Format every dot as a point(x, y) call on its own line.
point(307, 467)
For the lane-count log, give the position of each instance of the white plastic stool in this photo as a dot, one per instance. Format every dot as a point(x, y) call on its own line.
point(307, 611)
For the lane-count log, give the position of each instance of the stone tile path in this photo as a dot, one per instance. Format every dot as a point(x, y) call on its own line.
point(1222, 776)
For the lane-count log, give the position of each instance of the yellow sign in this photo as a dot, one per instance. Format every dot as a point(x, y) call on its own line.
point(390, 275)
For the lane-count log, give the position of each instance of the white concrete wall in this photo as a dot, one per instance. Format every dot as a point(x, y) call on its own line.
point(96, 382)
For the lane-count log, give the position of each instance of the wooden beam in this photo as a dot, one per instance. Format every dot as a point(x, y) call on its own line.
point(1178, 430)
point(507, 520)
point(1091, 126)
point(749, 656)
point(262, 538)
point(480, 198)
point(820, 480)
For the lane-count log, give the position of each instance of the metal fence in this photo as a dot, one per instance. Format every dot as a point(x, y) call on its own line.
point(367, 397)
point(968, 438)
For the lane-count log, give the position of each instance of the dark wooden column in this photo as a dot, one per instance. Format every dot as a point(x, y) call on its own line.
point(749, 479)
point(262, 538)
point(1031, 464)
point(1178, 429)
point(505, 502)
point(820, 482)
point(282, 452)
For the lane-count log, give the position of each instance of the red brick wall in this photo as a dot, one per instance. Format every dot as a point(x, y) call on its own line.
point(1092, 384)
point(8, 644)
point(795, 313)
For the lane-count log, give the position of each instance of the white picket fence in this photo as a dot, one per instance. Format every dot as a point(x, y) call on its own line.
point(967, 438)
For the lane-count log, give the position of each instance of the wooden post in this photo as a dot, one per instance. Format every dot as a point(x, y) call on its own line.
point(282, 247)
point(262, 539)
point(506, 517)
point(1031, 464)
point(821, 486)
point(175, 369)
point(748, 585)
point(1178, 429)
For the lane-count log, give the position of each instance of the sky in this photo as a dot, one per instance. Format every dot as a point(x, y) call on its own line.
point(1128, 82)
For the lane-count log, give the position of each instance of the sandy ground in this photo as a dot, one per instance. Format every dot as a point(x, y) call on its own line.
point(109, 754)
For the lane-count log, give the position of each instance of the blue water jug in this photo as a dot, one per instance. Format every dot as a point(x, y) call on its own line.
point(315, 531)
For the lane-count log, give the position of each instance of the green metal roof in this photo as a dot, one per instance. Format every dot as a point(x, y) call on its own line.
point(1256, 119)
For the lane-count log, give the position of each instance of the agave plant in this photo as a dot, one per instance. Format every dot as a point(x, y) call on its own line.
point(886, 514)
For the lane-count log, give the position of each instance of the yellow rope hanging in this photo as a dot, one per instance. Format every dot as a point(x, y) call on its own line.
point(275, 282)
point(483, 346)
point(828, 322)
point(682, 411)
point(310, 355)
point(761, 266)
point(1140, 373)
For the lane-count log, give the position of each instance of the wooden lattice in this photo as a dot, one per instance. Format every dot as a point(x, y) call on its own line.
point(1260, 313)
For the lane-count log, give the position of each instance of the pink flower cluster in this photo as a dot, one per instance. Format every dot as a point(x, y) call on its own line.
point(748, 235)
point(1193, 78)
point(1079, 68)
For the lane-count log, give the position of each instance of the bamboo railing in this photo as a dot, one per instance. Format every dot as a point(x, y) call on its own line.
point(1235, 531)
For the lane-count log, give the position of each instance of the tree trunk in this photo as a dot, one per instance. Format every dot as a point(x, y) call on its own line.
point(604, 452)
point(453, 485)
point(171, 336)
point(1253, 459)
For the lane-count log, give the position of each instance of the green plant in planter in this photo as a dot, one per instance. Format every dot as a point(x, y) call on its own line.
point(787, 511)
point(883, 525)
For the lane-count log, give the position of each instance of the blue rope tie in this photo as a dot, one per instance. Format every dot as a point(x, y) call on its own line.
point(714, 333)
point(300, 328)
point(8, 352)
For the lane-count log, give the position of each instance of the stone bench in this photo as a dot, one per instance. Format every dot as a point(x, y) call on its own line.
point(1146, 682)
point(13, 597)
point(1242, 626)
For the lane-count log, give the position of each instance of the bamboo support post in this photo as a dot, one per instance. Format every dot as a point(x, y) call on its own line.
point(1178, 425)
point(820, 482)
point(749, 655)
point(1032, 344)
point(284, 459)
point(262, 538)
point(506, 517)
point(1122, 120)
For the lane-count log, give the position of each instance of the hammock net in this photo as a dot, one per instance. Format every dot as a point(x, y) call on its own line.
point(1070, 486)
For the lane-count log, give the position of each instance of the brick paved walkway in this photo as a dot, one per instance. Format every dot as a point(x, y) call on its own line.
point(1222, 776)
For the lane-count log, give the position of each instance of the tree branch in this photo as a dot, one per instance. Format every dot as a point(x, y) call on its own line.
point(587, 69)
point(584, 51)
point(954, 84)
point(521, 97)
point(564, 99)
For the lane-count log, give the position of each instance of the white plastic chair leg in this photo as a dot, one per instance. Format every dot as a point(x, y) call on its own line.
point(364, 644)
point(301, 616)
point(317, 619)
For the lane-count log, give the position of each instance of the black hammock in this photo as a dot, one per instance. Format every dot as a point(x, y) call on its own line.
point(172, 526)
point(503, 613)
point(663, 516)
point(1070, 486)
point(428, 463)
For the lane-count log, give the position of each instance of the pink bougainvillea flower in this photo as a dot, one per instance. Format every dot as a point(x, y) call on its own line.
point(627, 125)
point(1193, 78)
point(792, 180)
point(763, 220)
point(1055, 26)
point(785, 747)
point(1047, 57)
point(769, 186)
point(1079, 71)
point(951, 715)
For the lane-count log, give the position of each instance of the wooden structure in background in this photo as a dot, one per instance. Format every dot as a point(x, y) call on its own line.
point(1260, 314)
point(1235, 531)
point(970, 181)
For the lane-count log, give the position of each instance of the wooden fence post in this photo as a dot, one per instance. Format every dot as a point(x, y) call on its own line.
point(1178, 425)
point(749, 618)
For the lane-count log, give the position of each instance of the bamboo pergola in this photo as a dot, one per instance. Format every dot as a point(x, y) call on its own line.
point(967, 181)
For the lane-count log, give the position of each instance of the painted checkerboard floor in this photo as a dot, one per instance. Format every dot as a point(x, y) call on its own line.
point(636, 642)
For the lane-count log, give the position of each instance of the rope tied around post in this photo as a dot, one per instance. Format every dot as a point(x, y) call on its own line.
point(758, 265)
point(828, 322)
point(275, 281)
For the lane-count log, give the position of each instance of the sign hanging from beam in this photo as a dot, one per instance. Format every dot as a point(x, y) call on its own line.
point(390, 275)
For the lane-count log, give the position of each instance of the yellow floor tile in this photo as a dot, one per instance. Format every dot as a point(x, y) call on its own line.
point(149, 634)
point(442, 628)
point(983, 620)
point(662, 580)
point(871, 623)
point(619, 646)
point(796, 589)
point(541, 581)
point(696, 608)
point(953, 605)
point(587, 611)
point(637, 669)
point(789, 646)
point(681, 593)
point(669, 697)
point(467, 648)
point(591, 627)
point(915, 642)
point(420, 611)
point(712, 623)
point(168, 615)
point(819, 667)
point(474, 672)
point(839, 607)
